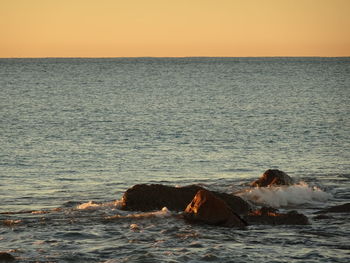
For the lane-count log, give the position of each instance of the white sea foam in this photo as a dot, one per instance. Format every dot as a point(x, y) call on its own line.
point(134, 227)
point(94, 205)
point(277, 196)
point(164, 212)
point(89, 205)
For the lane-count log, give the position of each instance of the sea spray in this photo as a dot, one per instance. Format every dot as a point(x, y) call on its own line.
point(94, 205)
point(278, 196)
point(88, 205)
point(164, 212)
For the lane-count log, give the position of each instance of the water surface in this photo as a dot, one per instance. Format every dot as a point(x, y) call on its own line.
point(80, 130)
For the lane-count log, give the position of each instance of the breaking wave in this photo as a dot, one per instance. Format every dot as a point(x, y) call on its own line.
point(279, 196)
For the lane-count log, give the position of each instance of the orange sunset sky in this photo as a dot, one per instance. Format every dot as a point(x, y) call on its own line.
point(174, 28)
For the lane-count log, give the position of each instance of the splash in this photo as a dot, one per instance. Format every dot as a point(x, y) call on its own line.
point(164, 212)
point(95, 205)
point(89, 205)
point(278, 196)
point(134, 227)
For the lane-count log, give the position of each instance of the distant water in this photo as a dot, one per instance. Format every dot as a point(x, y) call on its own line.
point(76, 133)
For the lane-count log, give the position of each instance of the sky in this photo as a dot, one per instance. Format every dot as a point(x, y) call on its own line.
point(174, 28)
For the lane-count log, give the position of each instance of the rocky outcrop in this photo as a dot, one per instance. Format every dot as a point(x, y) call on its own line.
point(145, 197)
point(270, 216)
point(215, 208)
point(344, 208)
point(273, 177)
point(207, 208)
point(236, 203)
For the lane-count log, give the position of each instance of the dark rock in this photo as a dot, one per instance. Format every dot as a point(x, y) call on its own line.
point(273, 177)
point(344, 208)
point(207, 208)
point(270, 216)
point(144, 197)
point(266, 210)
point(236, 203)
point(6, 257)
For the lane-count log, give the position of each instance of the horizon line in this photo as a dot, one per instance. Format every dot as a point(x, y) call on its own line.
point(100, 57)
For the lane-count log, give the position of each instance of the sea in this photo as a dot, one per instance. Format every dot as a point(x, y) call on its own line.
point(76, 133)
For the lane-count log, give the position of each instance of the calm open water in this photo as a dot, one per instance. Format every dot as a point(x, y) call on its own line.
point(80, 130)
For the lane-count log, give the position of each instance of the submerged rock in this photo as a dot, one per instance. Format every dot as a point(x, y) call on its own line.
point(270, 216)
point(6, 257)
point(207, 208)
point(273, 177)
point(344, 208)
point(145, 197)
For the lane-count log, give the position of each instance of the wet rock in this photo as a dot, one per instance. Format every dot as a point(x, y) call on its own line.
point(344, 208)
point(6, 257)
point(144, 197)
point(207, 208)
point(273, 177)
point(266, 211)
point(236, 203)
point(270, 216)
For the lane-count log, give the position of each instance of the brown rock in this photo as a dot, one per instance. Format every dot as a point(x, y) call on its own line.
point(273, 177)
point(270, 216)
point(207, 208)
point(6, 257)
point(236, 203)
point(144, 197)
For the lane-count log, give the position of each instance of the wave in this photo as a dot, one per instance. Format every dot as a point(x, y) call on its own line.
point(279, 196)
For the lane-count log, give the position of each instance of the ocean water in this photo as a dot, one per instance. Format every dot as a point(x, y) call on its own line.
point(76, 133)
